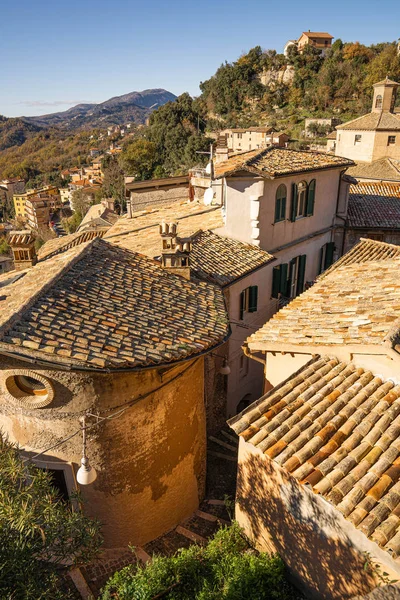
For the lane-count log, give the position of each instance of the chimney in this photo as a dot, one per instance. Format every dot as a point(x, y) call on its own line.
point(108, 203)
point(175, 256)
point(22, 244)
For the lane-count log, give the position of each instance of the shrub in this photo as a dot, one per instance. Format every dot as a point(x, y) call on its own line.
point(225, 569)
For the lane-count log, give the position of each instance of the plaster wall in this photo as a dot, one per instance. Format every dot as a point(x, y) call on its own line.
point(363, 151)
point(150, 460)
point(325, 553)
point(382, 148)
point(240, 190)
point(247, 376)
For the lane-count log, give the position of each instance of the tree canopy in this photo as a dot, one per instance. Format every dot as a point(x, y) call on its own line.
point(38, 531)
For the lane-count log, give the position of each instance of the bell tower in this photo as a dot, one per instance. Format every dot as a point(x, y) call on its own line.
point(175, 251)
point(384, 95)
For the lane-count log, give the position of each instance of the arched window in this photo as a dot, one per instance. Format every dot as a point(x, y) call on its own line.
point(302, 199)
point(280, 203)
point(378, 101)
point(310, 198)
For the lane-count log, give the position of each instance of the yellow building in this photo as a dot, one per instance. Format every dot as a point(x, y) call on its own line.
point(20, 199)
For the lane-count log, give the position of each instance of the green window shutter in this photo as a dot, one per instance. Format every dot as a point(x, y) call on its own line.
point(310, 198)
point(276, 281)
point(253, 297)
point(301, 273)
point(284, 279)
point(277, 210)
point(293, 207)
point(330, 247)
point(283, 209)
point(321, 257)
point(242, 303)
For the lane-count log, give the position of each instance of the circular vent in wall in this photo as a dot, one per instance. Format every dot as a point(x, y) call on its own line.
point(28, 389)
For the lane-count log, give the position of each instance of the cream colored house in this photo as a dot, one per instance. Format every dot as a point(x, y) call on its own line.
point(289, 203)
point(317, 39)
point(251, 138)
point(319, 452)
point(376, 135)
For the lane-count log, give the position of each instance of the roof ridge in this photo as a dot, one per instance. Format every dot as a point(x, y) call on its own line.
point(12, 311)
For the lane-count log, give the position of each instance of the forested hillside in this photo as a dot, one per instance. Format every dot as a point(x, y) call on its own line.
point(245, 92)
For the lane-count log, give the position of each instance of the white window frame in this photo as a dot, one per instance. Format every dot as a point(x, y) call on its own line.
point(69, 475)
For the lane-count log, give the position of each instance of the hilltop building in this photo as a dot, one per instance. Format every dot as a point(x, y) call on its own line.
point(250, 138)
point(374, 136)
point(319, 476)
point(99, 216)
point(317, 39)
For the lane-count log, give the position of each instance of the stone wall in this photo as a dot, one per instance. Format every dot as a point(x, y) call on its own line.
point(284, 75)
point(352, 236)
point(160, 197)
point(150, 460)
point(325, 554)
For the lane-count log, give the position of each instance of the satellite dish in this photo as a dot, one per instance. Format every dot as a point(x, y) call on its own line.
point(208, 196)
point(208, 169)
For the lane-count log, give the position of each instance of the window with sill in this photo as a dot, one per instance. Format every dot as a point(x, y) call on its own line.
point(391, 140)
point(288, 278)
point(303, 200)
point(280, 203)
point(378, 101)
point(248, 301)
point(357, 139)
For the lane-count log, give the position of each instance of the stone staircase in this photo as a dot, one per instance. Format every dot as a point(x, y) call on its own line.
point(224, 445)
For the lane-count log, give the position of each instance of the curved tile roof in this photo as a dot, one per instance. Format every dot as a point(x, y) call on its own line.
point(336, 427)
point(272, 162)
point(365, 251)
point(223, 260)
point(355, 304)
point(384, 168)
point(374, 205)
point(100, 306)
point(374, 121)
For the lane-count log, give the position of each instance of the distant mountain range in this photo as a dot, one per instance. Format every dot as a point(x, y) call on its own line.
point(135, 106)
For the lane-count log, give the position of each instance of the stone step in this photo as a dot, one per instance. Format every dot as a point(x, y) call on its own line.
point(211, 518)
point(221, 455)
point(223, 444)
point(142, 555)
point(194, 537)
point(230, 437)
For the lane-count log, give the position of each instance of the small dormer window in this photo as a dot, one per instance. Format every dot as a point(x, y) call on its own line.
point(378, 101)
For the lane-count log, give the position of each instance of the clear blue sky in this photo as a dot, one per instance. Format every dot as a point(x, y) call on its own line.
point(55, 54)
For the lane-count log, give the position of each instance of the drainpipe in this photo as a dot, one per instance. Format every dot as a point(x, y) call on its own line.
point(250, 355)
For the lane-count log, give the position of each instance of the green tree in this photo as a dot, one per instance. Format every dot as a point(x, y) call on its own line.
point(139, 159)
point(38, 531)
point(221, 570)
point(113, 181)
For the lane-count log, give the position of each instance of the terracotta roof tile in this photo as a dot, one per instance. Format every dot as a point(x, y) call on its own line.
point(374, 121)
point(133, 313)
point(384, 169)
point(354, 304)
point(61, 244)
point(272, 162)
point(336, 427)
point(365, 251)
point(222, 260)
point(374, 205)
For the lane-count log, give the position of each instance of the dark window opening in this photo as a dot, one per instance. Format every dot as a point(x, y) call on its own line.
point(58, 481)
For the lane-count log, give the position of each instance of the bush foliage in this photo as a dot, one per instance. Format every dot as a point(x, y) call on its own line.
point(38, 531)
point(224, 569)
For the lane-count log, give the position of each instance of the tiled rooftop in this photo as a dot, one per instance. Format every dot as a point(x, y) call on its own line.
point(383, 169)
point(336, 427)
point(61, 244)
point(141, 233)
point(101, 306)
point(98, 214)
point(374, 121)
point(355, 304)
point(374, 205)
point(273, 162)
point(222, 260)
point(365, 251)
